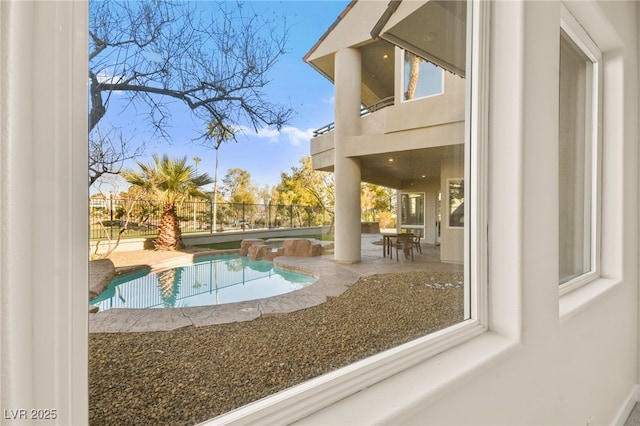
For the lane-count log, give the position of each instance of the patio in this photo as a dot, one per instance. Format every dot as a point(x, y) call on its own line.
point(333, 279)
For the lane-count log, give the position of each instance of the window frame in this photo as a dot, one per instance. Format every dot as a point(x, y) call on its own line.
point(402, 80)
point(571, 28)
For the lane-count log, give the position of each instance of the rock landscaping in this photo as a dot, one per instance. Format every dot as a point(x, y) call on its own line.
point(270, 249)
point(189, 375)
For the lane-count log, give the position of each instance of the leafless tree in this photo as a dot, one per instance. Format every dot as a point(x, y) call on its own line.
point(162, 52)
point(108, 152)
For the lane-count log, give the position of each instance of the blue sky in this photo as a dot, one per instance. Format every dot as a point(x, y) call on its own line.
point(267, 153)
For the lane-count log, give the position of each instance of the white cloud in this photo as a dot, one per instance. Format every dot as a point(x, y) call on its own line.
point(104, 77)
point(289, 134)
point(297, 136)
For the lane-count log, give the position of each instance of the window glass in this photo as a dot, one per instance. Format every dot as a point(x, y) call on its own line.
point(421, 293)
point(421, 78)
point(577, 143)
point(456, 203)
point(412, 209)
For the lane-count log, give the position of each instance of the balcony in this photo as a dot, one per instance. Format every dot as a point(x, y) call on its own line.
point(363, 112)
point(417, 131)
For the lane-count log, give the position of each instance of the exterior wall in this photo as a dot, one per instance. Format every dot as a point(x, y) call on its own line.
point(421, 123)
point(322, 151)
point(447, 107)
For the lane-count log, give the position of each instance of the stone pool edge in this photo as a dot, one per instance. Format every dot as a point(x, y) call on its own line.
point(332, 281)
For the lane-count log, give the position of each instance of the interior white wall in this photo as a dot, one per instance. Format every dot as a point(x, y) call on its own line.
point(43, 164)
point(637, 16)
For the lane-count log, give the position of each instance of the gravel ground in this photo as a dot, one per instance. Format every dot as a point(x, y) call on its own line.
point(187, 376)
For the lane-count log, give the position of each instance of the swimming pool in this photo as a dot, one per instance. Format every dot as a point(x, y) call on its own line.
point(208, 281)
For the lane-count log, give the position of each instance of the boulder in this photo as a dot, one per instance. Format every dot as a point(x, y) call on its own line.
point(316, 249)
point(101, 272)
point(270, 255)
point(300, 247)
point(245, 244)
point(258, 251)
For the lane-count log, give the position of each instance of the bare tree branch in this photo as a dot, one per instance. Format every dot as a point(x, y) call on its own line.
point(108, 153)
point(216, 64)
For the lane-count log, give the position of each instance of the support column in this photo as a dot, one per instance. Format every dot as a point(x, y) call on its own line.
point(347, 170)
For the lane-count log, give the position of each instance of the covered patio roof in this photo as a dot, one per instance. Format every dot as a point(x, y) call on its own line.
point(434, 30)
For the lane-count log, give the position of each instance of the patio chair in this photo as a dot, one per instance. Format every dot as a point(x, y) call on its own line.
point(416, 240)
point(404, 242)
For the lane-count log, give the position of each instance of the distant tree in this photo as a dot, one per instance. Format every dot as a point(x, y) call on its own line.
point(308, 187)
point(154, 53)
point(197, 161)
point(169, 182)
point(266, 194)
point(217, 133)
point(375, 199)
point(238, 186)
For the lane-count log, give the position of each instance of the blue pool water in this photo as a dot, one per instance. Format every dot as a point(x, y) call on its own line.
point(208, 281)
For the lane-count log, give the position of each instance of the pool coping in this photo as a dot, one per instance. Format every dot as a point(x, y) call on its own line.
point(332, 280)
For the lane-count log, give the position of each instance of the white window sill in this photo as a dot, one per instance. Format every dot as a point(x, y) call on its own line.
point(351, 395)
point(411, 389)
point(580, 298)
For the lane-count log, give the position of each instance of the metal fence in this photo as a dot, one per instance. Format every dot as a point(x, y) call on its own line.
point(141, 218)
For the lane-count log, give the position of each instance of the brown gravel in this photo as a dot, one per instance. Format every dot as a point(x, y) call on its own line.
point(187, 376)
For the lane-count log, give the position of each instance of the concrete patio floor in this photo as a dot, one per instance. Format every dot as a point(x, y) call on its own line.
point(333, 279)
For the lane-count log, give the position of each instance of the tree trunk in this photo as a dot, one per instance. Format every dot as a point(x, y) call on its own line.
point(413, 78)
point(169, 234)
point(214, 227)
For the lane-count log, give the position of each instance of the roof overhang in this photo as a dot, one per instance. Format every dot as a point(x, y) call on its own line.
point(435, 30)
point(352, 29)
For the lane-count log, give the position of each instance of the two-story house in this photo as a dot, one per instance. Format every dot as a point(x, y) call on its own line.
point(399, 116)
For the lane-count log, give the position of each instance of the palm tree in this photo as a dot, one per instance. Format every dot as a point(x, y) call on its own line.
point(169, 182)
point(220, 132)
point(413, 75)
point(197, 160)
point(169, 286)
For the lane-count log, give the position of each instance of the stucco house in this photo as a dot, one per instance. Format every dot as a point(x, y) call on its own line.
point(551, 217)
point(390, 130)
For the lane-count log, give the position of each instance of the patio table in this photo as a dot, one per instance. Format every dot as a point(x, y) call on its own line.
point(386, 242)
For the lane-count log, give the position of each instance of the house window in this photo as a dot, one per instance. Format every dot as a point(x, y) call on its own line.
point(456, 203)
point(412, 209)
point(421, 78)
point(578, 145)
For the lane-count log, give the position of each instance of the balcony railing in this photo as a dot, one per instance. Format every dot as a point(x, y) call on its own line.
point(363, 111)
